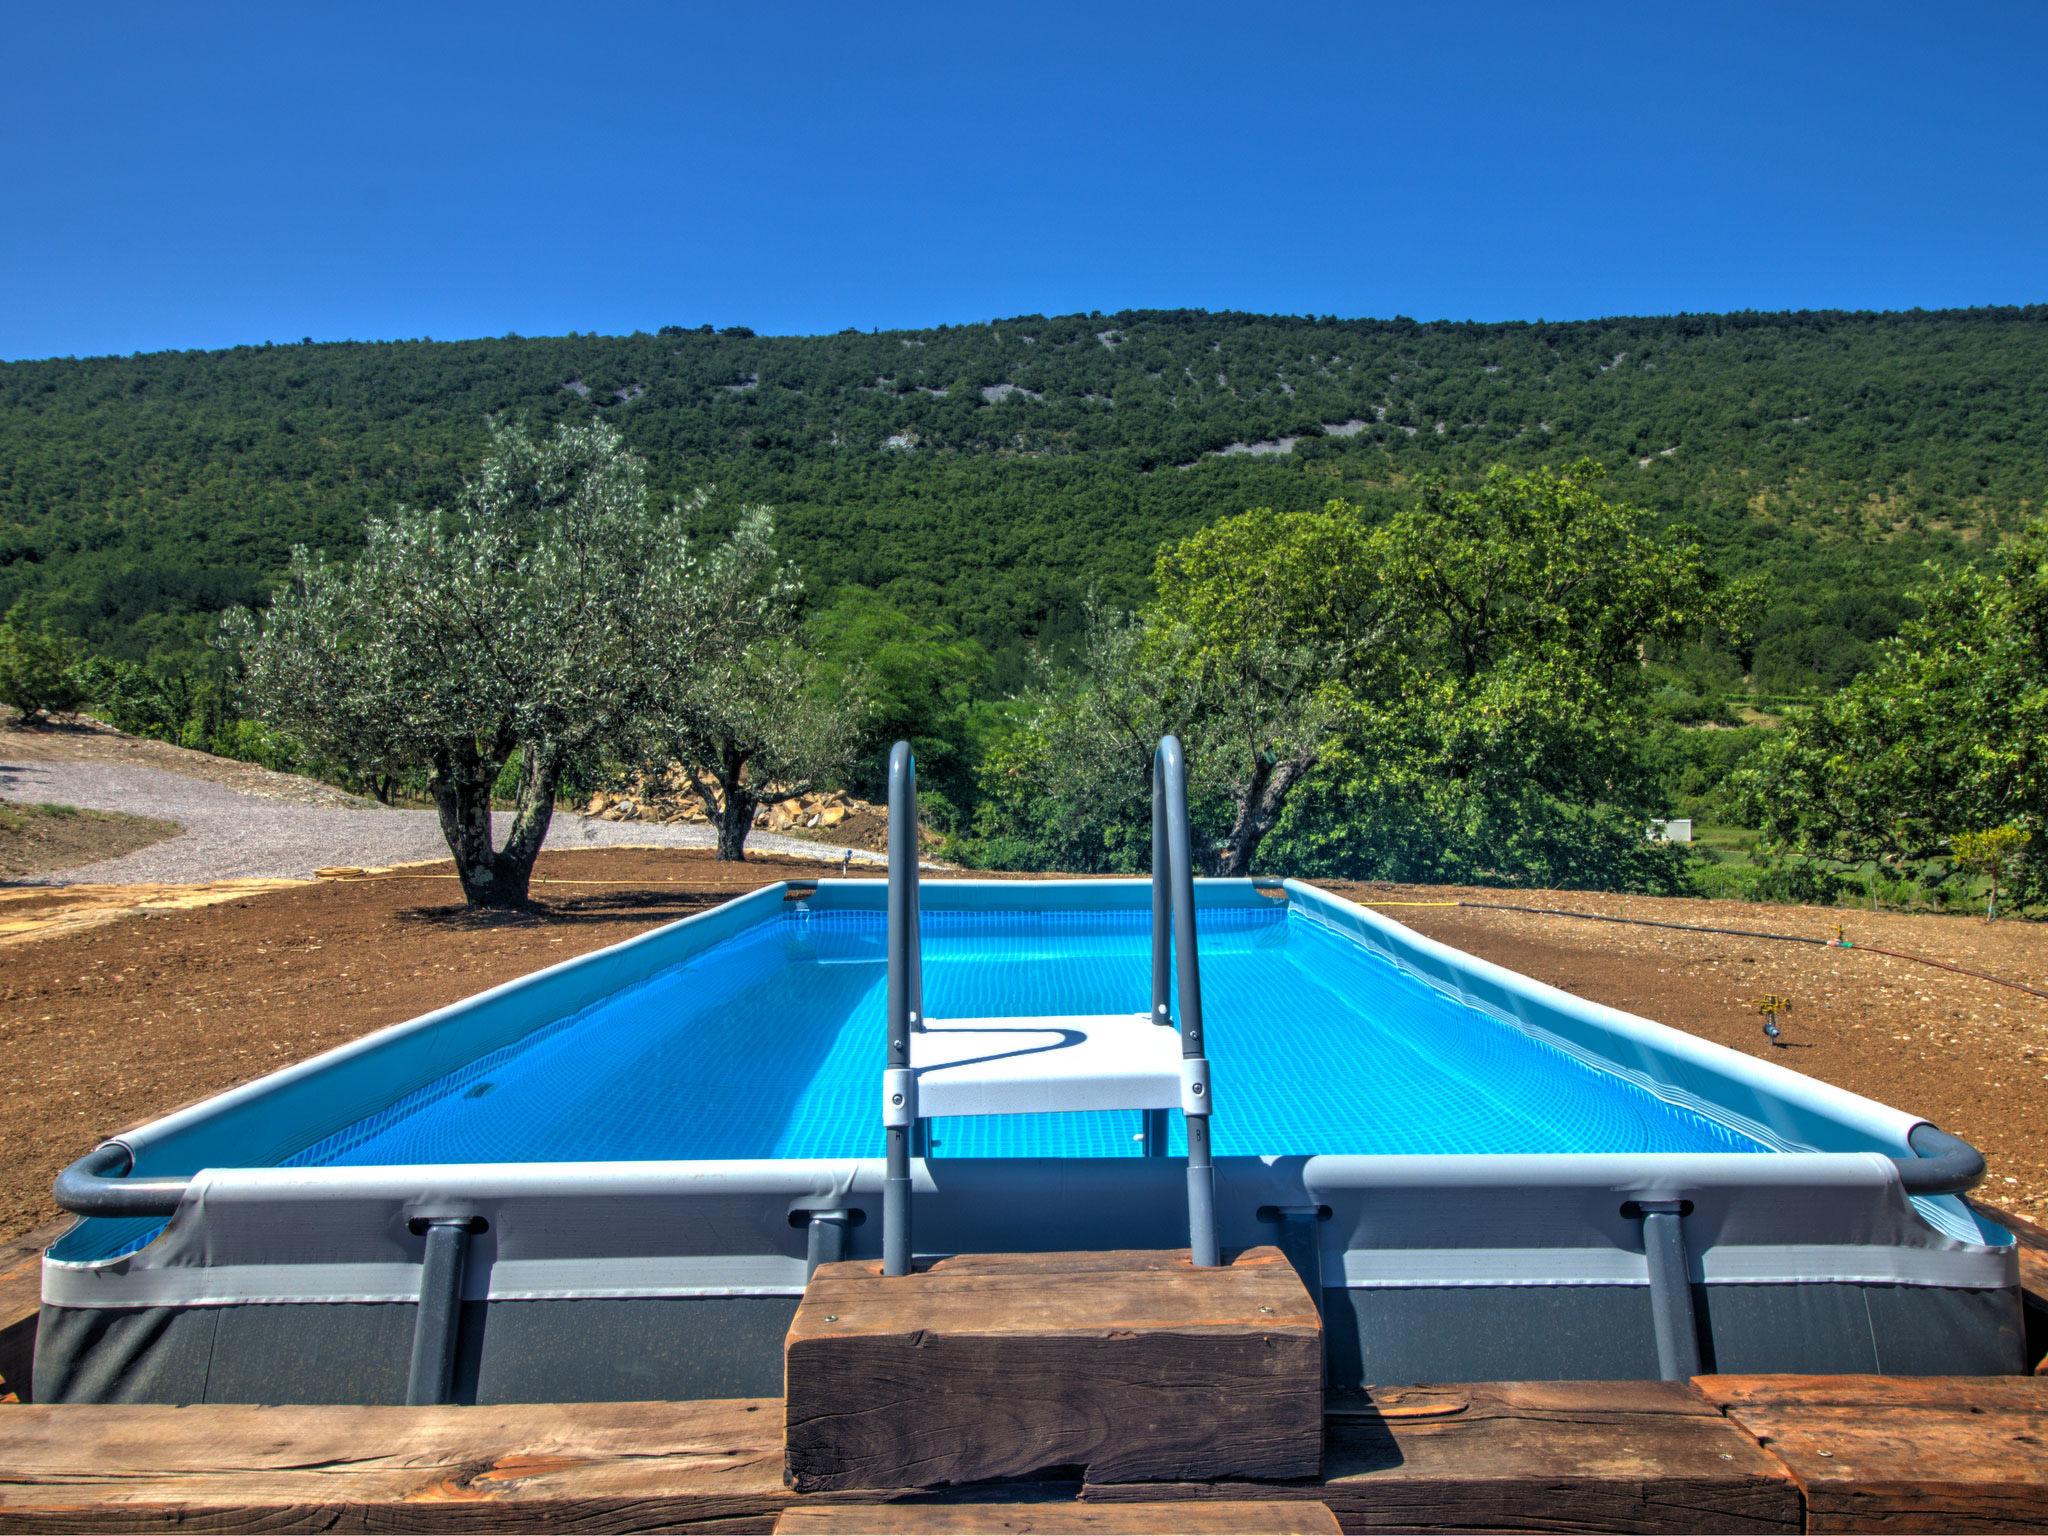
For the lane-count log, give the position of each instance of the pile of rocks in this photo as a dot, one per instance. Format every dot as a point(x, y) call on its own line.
point(670, 797)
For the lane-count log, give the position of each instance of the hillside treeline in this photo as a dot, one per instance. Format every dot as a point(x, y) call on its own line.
point(990, 477)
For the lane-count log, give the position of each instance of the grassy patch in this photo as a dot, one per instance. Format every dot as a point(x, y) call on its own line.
point(40, 839)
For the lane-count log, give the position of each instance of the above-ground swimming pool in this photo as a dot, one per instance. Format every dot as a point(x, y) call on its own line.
point(647, 1146)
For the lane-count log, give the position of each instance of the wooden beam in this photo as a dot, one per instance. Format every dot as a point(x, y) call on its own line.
point(1850, 1453)
point(222, 1467)
point(1892, 1453)
point(1596, 1456)
point(1224, 1517)
point(1136, 1366)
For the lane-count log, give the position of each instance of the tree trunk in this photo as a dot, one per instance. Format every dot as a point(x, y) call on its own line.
point(736, 810)
point(1258, 811)
point(461, 780)
point(540, 770)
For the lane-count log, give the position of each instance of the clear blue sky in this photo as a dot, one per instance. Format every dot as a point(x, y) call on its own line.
point(200, 175)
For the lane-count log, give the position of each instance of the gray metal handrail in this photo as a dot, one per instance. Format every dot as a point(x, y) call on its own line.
point(1173, 913)
point(905, 1009)
point(1173, 897)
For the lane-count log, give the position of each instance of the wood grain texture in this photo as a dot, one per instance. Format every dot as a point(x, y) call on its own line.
point(1514, 1456)
point(21, 1303)
point(1135, 1366)
point(1878, 1394)
point(563, 1467)
point(1297, 1517)
point(1947, 1453)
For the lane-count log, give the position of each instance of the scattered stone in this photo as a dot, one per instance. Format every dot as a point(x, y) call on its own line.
point(670, 798)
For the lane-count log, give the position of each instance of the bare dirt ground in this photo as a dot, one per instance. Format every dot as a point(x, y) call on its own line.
point(106, 1026)
point(116, 1024)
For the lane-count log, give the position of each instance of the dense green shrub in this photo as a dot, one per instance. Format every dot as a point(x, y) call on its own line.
point(38, 669)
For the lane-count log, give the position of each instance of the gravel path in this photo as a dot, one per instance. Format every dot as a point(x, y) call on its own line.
point(229, 834)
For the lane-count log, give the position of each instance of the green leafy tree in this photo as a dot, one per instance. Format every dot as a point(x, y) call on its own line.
point(39, 669)
point(1261, 624)
point(510, 624)
point(1992, 853)
point(736, 698)
point(1513, 746)
point(1456, 694)
point(1948, 729)
point(1279, 623)
point(922, 682)
point(1065, 780)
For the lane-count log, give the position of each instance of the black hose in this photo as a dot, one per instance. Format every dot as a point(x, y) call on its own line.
point(1947, 1165)
point(1649, 922)
point(1960, 970)
point(1758, 933)
point(98, 1185)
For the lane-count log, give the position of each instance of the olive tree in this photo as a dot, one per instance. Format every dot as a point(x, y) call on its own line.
point(512, 625)
point(736, 699)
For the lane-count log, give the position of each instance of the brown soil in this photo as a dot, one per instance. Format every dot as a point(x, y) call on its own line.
point(107, 1026)
point(32, 913)
point(36, 839)
point(866, 827)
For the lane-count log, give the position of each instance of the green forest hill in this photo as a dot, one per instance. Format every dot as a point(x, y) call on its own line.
point(990, 476)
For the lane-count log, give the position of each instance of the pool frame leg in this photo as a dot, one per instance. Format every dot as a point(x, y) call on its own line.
point(1301, 1240)
point(1672, 1317)
point(825, 1239)
point(437, 1328)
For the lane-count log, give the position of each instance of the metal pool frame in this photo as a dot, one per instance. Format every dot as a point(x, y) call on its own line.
point(588, 1281)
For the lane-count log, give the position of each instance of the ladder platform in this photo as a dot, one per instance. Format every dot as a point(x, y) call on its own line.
point(1041, 1065)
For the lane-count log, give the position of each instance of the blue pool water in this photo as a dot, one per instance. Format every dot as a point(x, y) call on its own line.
point(770, 1045)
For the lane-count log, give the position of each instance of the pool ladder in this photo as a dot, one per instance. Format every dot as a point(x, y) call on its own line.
point(1122, 1044)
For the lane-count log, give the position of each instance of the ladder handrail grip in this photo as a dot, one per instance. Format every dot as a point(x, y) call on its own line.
point(906, 1000)
point(1170, 817)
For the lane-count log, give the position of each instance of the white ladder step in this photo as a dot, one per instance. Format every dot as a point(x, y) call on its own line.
point(1042, 1065)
